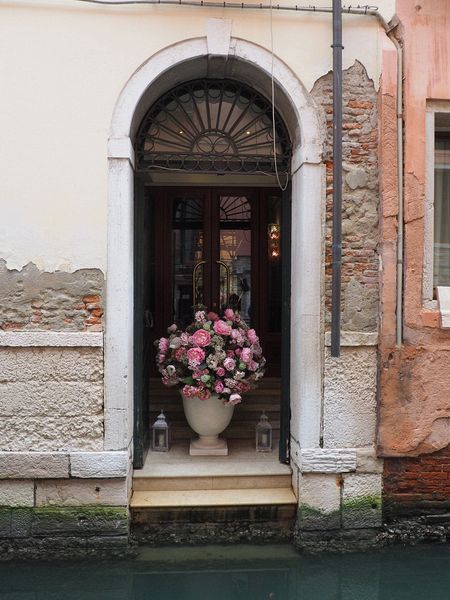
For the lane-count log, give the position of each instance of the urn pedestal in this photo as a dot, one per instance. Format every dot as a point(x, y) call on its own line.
point(208, 418)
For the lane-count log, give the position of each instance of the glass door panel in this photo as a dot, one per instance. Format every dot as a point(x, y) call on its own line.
point(188, 258)
point(274, 274)
point(235, 237)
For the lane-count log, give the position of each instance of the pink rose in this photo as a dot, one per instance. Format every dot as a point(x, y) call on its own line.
point(229, 364)
point(218, 388)
point(201, 338)
point(253, 338)
point(185, 338)
point(172, 328)
point(253, 365)
point(235, 399)
point(196, 356)
point(238, 351)
point(220, 371)
point(222, 328)
point(229, 313)
point(161, 358)
point(246, 355)
point(212, 316)
point(163, 344)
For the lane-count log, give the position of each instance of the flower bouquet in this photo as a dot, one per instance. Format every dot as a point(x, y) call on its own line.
point(214, 356)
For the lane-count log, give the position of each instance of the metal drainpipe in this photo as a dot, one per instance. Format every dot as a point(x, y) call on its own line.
point(337, 181)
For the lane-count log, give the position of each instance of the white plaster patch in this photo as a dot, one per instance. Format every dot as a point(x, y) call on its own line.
point(51, 338)
point(350, 398)
point(218, 35)
point(77, 492)
point(16, 493)
point(321, 492)
point(34, 465)
point(318, 460)
point(98, 464)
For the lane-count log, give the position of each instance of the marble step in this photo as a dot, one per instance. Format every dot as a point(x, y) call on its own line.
point(212, 498)
point(211, 482)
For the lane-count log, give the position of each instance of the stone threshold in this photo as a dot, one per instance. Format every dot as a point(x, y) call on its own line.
point(213, 498)
point(242, 460)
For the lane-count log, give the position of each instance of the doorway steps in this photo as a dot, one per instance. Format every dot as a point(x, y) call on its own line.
point(243, 491)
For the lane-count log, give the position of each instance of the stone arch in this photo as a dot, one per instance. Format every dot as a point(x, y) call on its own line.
point(299, 112)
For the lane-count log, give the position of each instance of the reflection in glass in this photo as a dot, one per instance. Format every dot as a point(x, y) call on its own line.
point(274, 265)
point(188, 264)
point(441, 258)
point(235, 254)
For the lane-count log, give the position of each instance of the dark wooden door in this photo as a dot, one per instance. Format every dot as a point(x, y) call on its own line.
point(219, 247)
point(212, 246)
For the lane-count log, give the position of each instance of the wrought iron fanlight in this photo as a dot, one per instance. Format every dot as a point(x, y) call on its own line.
point(212, 126)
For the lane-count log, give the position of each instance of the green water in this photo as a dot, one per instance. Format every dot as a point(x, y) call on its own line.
point(237, 573)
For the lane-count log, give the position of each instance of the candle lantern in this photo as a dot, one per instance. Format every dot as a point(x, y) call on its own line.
point(160, 434)
point(263, 434)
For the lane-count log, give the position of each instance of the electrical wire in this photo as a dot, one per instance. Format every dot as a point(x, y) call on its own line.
point(280, 185)
point(364, 9)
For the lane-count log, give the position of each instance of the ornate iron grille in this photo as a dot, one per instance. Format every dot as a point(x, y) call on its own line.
point(212, 126)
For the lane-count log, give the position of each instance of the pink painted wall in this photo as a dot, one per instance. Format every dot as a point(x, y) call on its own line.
point(414, 411)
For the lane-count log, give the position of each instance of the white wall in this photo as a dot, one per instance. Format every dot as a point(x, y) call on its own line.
point(67, 63)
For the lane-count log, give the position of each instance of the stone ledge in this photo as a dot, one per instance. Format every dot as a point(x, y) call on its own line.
point(355, 338)
point(443, 294)
point(74, 339)
point(320, 460)
point(89, 465)
point(34, 465)
point(62, 465)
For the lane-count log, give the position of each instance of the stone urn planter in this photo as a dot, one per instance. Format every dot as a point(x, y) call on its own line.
point(208, 418)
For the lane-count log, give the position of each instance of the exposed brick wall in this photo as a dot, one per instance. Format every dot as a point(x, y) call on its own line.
point(360, 234)
point(31, 299)
point(415, 485)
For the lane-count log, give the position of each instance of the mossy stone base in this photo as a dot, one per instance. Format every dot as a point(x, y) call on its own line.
point(59, 532)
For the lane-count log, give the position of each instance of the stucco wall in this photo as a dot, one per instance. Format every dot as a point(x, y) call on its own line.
point(414, 404)
point(63, 78)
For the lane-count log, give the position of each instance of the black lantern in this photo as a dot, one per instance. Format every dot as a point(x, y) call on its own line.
point(264, 434)
point(160, 433)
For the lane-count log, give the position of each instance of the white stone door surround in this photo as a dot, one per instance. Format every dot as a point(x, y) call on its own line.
point(307, 211)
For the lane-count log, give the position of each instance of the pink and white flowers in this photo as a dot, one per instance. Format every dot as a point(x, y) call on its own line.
point(215, 354)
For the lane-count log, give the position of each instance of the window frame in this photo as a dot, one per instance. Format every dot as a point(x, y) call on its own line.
point(433, 107)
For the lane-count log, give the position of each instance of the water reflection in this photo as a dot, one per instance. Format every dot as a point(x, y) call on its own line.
point(238, 573)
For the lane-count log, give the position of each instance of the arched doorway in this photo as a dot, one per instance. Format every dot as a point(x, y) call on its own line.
point(200, 240)
point(188, 59)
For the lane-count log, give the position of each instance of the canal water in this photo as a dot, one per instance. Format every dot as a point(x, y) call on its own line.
point(237, 573)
